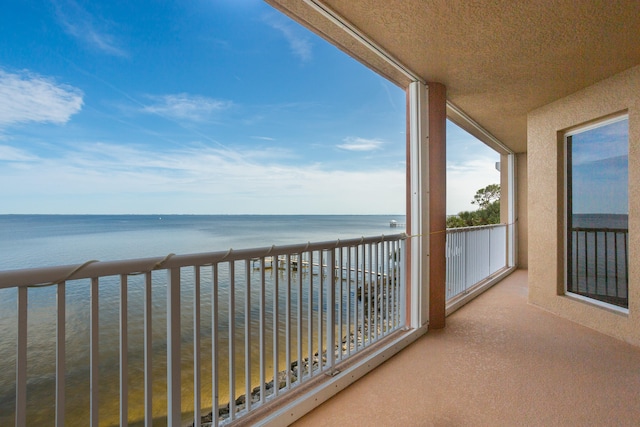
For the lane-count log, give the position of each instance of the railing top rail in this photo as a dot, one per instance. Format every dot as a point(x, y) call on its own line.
point(51, 275)
point(601, 229)
point(473, 228)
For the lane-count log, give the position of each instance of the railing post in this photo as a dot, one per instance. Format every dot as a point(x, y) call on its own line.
point(197, 385)
point(331, 307)
point(173, 349)
point(148, 351)
point(124, 352)
point(94, 352)
point(60, 355)
point(21, 359)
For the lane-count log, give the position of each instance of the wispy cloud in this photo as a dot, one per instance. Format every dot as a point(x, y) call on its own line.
point(183, 106)
point(12, 154)
point(298, 41)
point(465, 178)
point(27, 97)
point(600, 143)
point(196, 179)
point(360, 144)
point(264, 138)
point(90, 30)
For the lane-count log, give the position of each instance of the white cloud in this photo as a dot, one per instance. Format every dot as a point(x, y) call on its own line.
point(85, 27)
point(12, 154)
point(109, 178)
point(27, 97)
point(298, 43)
point(465, 178)
point(360, 144)
point(186, 107)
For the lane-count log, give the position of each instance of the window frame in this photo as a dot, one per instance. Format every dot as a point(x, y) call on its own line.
point(568, 211)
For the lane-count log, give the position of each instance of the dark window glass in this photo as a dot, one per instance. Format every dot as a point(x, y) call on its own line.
point(597, 211)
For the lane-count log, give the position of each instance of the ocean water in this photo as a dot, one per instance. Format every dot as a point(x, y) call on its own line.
point(28, 241)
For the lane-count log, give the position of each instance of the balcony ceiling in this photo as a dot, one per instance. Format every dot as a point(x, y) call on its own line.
point(499, 59)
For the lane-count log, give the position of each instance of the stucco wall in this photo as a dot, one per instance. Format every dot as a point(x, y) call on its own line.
point(546, 201)
point(522, 226)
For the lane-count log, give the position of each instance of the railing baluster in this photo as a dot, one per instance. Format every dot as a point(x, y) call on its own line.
point(385, 280)
point(124, 350)
point(173, 348)
point(361, 262)
point(349, 302)
point(340, 298)
point(594, 262)
point(331, 304)
point(388, 292)
point(626, 265)
point(148, 351)
point(369, 297)
point(263, 325)
point(402, 283)
point(299, 330)
point(375, 269)
point(276, 329)
point(94, 353)
point(321, 261)
point(606, 263)
point(288, 323)
point(21, 358)
point(197, 387)
point(310, 315)
point(615, 265)
point(232, 340)
point(247, 336)
point(396, 279)
point(60, 355)
point(215, 390)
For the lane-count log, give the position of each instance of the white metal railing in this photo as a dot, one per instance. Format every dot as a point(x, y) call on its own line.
point(242, 326)
point(474, 254)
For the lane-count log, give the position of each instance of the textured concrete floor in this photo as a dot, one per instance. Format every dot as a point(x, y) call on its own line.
point(499, 362)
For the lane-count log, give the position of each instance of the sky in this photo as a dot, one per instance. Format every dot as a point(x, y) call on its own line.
point(200, 107)
point(600, 169)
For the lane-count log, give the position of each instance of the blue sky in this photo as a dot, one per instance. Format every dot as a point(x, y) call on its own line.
point(206, 107)
point(600, 169)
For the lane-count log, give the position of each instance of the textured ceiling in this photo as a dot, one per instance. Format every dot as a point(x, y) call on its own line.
point(499, 59)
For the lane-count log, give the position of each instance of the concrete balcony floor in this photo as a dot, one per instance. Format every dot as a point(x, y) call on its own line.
point(499, 362)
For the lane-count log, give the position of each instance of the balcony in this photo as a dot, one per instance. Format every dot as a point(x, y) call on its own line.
point(499, 362)
point(157, 343)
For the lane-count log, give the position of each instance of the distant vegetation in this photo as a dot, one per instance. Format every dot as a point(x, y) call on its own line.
point(488, 212)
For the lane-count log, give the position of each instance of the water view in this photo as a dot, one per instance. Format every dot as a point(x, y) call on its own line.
point(28, 241)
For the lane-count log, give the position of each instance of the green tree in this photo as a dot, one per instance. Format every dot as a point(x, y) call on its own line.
point(486, 196)
point(488, 201)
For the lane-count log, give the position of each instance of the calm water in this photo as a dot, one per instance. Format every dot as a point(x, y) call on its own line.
point(43, 240)
point(28, 241)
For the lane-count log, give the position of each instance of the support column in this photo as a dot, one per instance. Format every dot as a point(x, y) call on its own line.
point(426, 204)
point(437, 149)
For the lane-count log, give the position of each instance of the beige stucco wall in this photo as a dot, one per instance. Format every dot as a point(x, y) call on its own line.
point(546, 201)
point(522, 223)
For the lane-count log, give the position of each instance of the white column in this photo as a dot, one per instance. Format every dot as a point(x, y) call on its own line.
point(419, 187)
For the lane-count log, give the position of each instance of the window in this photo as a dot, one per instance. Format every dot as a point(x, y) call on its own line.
point(597, 211)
